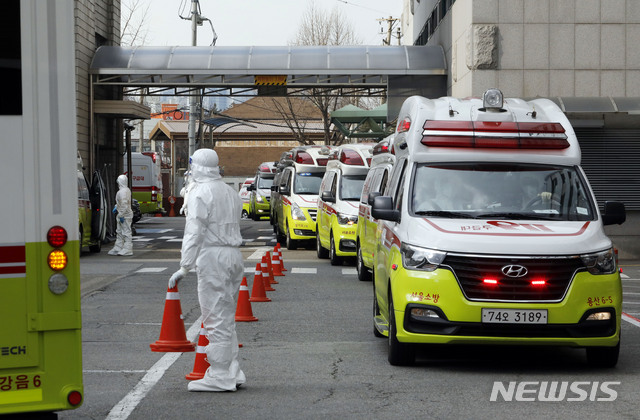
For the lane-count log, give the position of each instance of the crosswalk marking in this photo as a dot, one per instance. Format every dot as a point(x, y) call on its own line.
point(152, 270)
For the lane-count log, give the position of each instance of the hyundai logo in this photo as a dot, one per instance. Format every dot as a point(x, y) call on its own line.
point(514, 270)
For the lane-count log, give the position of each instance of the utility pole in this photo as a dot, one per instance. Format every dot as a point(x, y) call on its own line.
point(193, 101)
point(391, 23)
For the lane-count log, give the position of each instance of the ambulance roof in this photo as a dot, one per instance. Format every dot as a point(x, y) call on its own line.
point(352, 159)
point(311, 158)
point(451, 129)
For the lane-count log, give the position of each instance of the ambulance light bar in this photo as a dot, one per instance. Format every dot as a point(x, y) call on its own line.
point(303, 157)
point(492, 134)
point(348, 157)
point(382, 147)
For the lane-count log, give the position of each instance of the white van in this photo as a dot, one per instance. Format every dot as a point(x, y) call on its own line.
point(146, 181)
point(339, 199)
point(260, 191)
point(295, 199)
point(375, 183)
point(489, 233)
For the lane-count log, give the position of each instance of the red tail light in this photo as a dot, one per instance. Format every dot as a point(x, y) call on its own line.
point(351, 157)
point(495, 134)
point(57, 236)
point(303, 157)
point(322, 161)
point(404, 125)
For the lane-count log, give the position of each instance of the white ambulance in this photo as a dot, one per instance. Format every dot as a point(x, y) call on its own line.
point(295, 204)
point(489, 233)
point(339, 199)
point(374, 185)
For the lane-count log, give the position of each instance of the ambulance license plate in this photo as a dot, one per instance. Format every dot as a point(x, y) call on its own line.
point(514, 316)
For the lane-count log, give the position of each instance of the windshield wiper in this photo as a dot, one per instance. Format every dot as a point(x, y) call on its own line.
point(511, 215)
point(442, 213)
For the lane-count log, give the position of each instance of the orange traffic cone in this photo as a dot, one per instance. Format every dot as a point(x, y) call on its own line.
point(266, 275)
point(258, 293)
point(275, 264)
point(277, 247)
point(172, 334)
point(243, 310)
point(201, 364)
point(270, 267)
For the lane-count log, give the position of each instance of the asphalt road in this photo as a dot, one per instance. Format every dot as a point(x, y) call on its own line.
point(312, 353)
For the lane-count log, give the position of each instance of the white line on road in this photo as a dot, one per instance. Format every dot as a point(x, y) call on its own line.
point(152, 270)
point(630, 319)
point(125, 407)
point(300, 270)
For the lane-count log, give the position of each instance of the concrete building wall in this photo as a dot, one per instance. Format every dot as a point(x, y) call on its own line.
point(542, 47)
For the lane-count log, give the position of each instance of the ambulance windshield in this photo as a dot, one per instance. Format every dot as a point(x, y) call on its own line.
point(265, 183)
point(497, 190)
point(351, 187)
point(307, 182)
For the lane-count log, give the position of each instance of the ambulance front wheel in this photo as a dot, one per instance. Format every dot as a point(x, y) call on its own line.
point(291, 243)
point(363, 271)
point(400, 354)
point(333, 256)
point(320, 251)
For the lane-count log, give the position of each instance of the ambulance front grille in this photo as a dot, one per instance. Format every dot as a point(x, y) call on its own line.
point(313, 213)
point(471, 271)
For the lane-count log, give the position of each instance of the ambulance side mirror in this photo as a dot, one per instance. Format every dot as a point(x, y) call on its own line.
point(383, 209)
point(251, 187)
point(328, 197)
point(614, 213)
point(372, 197)
point(284, 190)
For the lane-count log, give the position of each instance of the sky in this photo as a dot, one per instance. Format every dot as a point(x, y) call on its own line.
point(258, 22)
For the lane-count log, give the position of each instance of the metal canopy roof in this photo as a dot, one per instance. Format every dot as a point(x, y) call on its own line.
point(244, 67)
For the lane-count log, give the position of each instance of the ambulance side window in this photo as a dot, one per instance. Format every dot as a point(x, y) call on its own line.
point(383, 182)
point(366, 187)
point(327, 181)
point(286, 180)
point(396, 174)
point(334, 186)
point(400, 190)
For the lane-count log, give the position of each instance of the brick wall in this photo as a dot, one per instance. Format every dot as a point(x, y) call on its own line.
point(244, 161)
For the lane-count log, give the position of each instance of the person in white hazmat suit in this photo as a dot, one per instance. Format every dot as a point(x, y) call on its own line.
point(124, 217)
point(211, 244)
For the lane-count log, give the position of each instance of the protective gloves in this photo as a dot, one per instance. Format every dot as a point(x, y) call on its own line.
point(177, 276)
point(122, 220)
point(115, 209)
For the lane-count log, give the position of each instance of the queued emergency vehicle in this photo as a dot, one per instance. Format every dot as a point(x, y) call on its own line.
point(374, 185)
point(245, 194)
point(340, 192)
point(489, 233)
point(92, 210)
point(146, 181)
point(295, 199)
point(41, 357)
point(260, 191)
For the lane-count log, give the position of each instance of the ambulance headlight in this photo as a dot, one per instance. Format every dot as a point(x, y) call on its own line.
point(492, 98)
point(603, 262)
point(297, 213)
point(418, 258)
point(259, 198)
point(346, 219)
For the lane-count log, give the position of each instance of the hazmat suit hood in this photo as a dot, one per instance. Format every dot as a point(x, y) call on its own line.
point(122, 181)
point(204, 166)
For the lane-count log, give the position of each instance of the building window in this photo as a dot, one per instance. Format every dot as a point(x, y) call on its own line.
point(10, 59)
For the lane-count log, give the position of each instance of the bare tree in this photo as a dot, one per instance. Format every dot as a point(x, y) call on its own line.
point(319, 27)
point(134, 22)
